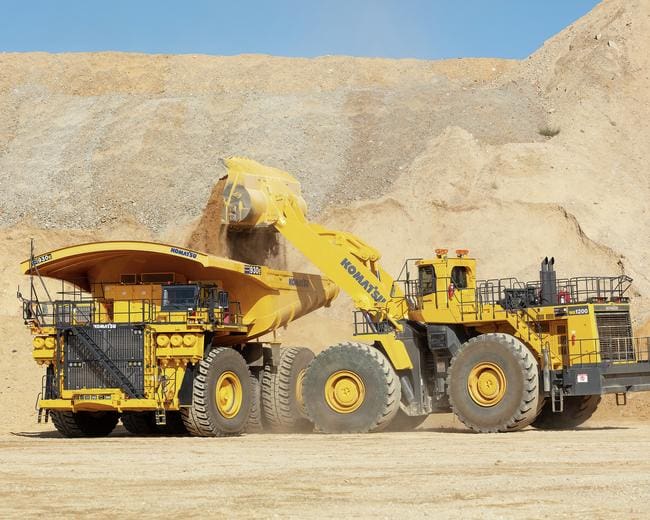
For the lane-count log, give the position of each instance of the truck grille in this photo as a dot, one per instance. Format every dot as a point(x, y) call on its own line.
point(123, 364)
point(615, 335)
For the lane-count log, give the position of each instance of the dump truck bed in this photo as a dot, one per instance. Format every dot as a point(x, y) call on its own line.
point(134, 270)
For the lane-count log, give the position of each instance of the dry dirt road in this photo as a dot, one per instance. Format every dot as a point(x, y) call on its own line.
point(595, 472)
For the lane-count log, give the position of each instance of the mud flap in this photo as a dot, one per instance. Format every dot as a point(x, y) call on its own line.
point(185, 391)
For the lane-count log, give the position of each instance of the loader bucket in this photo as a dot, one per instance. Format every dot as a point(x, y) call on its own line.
point(255, 194)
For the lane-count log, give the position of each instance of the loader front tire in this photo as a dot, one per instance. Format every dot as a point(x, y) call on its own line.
point(493, 384)
point(282, 392)
point(221, 395)
point(351, 388)
point(85, 424)
point(577, 411)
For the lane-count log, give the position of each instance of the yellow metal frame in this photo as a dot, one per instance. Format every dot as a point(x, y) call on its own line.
point(274, 199)
point(268, 298)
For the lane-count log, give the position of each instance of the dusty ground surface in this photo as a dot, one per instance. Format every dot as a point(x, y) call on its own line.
point(594, 472)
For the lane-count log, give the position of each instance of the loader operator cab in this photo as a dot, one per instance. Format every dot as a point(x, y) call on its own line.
point(442, 279)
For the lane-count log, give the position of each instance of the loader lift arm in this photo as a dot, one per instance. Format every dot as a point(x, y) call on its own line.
point(259, 196)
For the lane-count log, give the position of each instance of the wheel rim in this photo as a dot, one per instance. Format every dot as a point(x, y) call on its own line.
point(486, 384)
point(228, 394)
point(344, 391)
point(299, 381)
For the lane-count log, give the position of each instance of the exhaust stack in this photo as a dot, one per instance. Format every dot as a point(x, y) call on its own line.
point(548, 282)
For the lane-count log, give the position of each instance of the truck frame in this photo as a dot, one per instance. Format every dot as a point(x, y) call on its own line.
point(166, 339)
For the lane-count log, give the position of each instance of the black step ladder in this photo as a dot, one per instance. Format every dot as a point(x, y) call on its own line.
point(111, 372)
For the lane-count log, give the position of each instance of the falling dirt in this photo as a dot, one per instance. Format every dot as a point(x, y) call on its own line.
point(209, 235)
point(257, 246)
point(260, 246)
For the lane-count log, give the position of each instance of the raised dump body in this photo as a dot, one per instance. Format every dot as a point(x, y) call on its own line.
point(131, 324)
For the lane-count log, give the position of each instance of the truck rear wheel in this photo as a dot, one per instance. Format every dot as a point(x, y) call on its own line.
point(85, 424)
point(221, 395)
point(282, 391)
point(144, 423)
point(493, 384)
point(351, 388)
point(174, 424)
point(255, 424)
point(577, 411)
point(140, 423)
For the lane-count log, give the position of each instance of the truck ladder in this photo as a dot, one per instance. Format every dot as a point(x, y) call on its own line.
point(110, 371)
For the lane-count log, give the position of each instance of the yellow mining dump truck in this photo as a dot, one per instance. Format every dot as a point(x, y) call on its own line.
point(501, 354)
point(165, 337)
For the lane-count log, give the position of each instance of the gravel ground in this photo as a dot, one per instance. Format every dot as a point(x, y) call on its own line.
point(595, 472)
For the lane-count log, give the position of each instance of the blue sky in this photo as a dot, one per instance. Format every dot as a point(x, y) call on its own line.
point(388, 28)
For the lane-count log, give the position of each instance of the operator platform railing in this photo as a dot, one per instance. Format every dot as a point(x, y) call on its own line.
point(75, 307)
point(621, 350)
point(512, 295)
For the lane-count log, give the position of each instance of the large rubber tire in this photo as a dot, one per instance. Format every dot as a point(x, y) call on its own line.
point(334, 369)
point(85, 424)
point(140, 423)
point(255, 424)
point(174, 424)
point(577, 411)
point(144, 423)
point(204, 418)
point(517, 405)
point(282, 403)
point(405, 423)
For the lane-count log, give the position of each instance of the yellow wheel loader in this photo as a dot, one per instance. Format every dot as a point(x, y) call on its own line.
point(501, 354)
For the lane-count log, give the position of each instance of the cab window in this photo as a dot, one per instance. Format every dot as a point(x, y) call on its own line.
point(427, 279)
point(459, 277)
point(179, 297)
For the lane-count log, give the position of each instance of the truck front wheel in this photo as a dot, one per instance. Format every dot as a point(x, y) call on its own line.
point(222, 395)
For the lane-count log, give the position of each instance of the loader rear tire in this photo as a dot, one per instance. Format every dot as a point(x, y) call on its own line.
point(577, 411)
point(255, 424)
point(493, 384)
point(85, 424)
point(221, 395)
point(282, 391)
point(405, 423)
point(351, 388)
point(140, 423)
